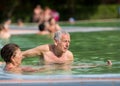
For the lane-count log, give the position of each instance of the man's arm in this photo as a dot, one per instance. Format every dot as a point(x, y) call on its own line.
point(35, 51)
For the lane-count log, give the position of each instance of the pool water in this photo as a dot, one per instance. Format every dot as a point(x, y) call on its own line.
point(91, 51)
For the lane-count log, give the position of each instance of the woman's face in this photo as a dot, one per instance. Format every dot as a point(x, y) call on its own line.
point(17, 57)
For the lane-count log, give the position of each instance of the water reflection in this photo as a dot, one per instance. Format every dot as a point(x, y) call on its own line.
point(3, 42)
point(66, 71)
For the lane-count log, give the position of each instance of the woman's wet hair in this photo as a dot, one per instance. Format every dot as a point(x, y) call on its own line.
point(7, 51)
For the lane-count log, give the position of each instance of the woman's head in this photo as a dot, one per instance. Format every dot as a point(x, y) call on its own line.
point(9, 51)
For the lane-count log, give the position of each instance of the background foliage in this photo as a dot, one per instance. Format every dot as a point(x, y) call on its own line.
point(79, 9)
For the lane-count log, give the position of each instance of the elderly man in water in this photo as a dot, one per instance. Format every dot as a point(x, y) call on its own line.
point(53, 53)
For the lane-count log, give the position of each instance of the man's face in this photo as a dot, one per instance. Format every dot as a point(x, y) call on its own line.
point(64, 43)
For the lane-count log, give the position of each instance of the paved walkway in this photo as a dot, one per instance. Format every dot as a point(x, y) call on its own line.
point(34, 29)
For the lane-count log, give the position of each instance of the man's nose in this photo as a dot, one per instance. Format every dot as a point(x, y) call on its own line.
point(67, 44)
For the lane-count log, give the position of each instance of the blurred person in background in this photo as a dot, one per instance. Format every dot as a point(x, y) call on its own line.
point(49, 27)
point(55, 15)
point(71, 20)
point(53, 26)
point(7, 24)
point(42, 29)
point(47, 13)
point(37, 12)
point(20, 23)
point(4, 35)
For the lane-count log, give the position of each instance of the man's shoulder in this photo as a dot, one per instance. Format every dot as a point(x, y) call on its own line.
point(70, 54)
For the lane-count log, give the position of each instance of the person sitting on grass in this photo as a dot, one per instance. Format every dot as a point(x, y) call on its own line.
point(12, 55)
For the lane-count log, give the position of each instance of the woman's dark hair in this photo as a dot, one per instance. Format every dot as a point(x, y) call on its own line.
point(7, 51)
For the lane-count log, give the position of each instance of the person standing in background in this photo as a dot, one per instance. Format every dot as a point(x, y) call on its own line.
point(37, 12)
point(4, 35)
point(7, 24)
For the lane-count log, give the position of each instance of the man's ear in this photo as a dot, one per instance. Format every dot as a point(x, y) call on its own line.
point(55, 42)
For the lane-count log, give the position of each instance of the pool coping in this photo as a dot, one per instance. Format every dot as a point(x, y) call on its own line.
point(61, 80)
point(34, 29)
